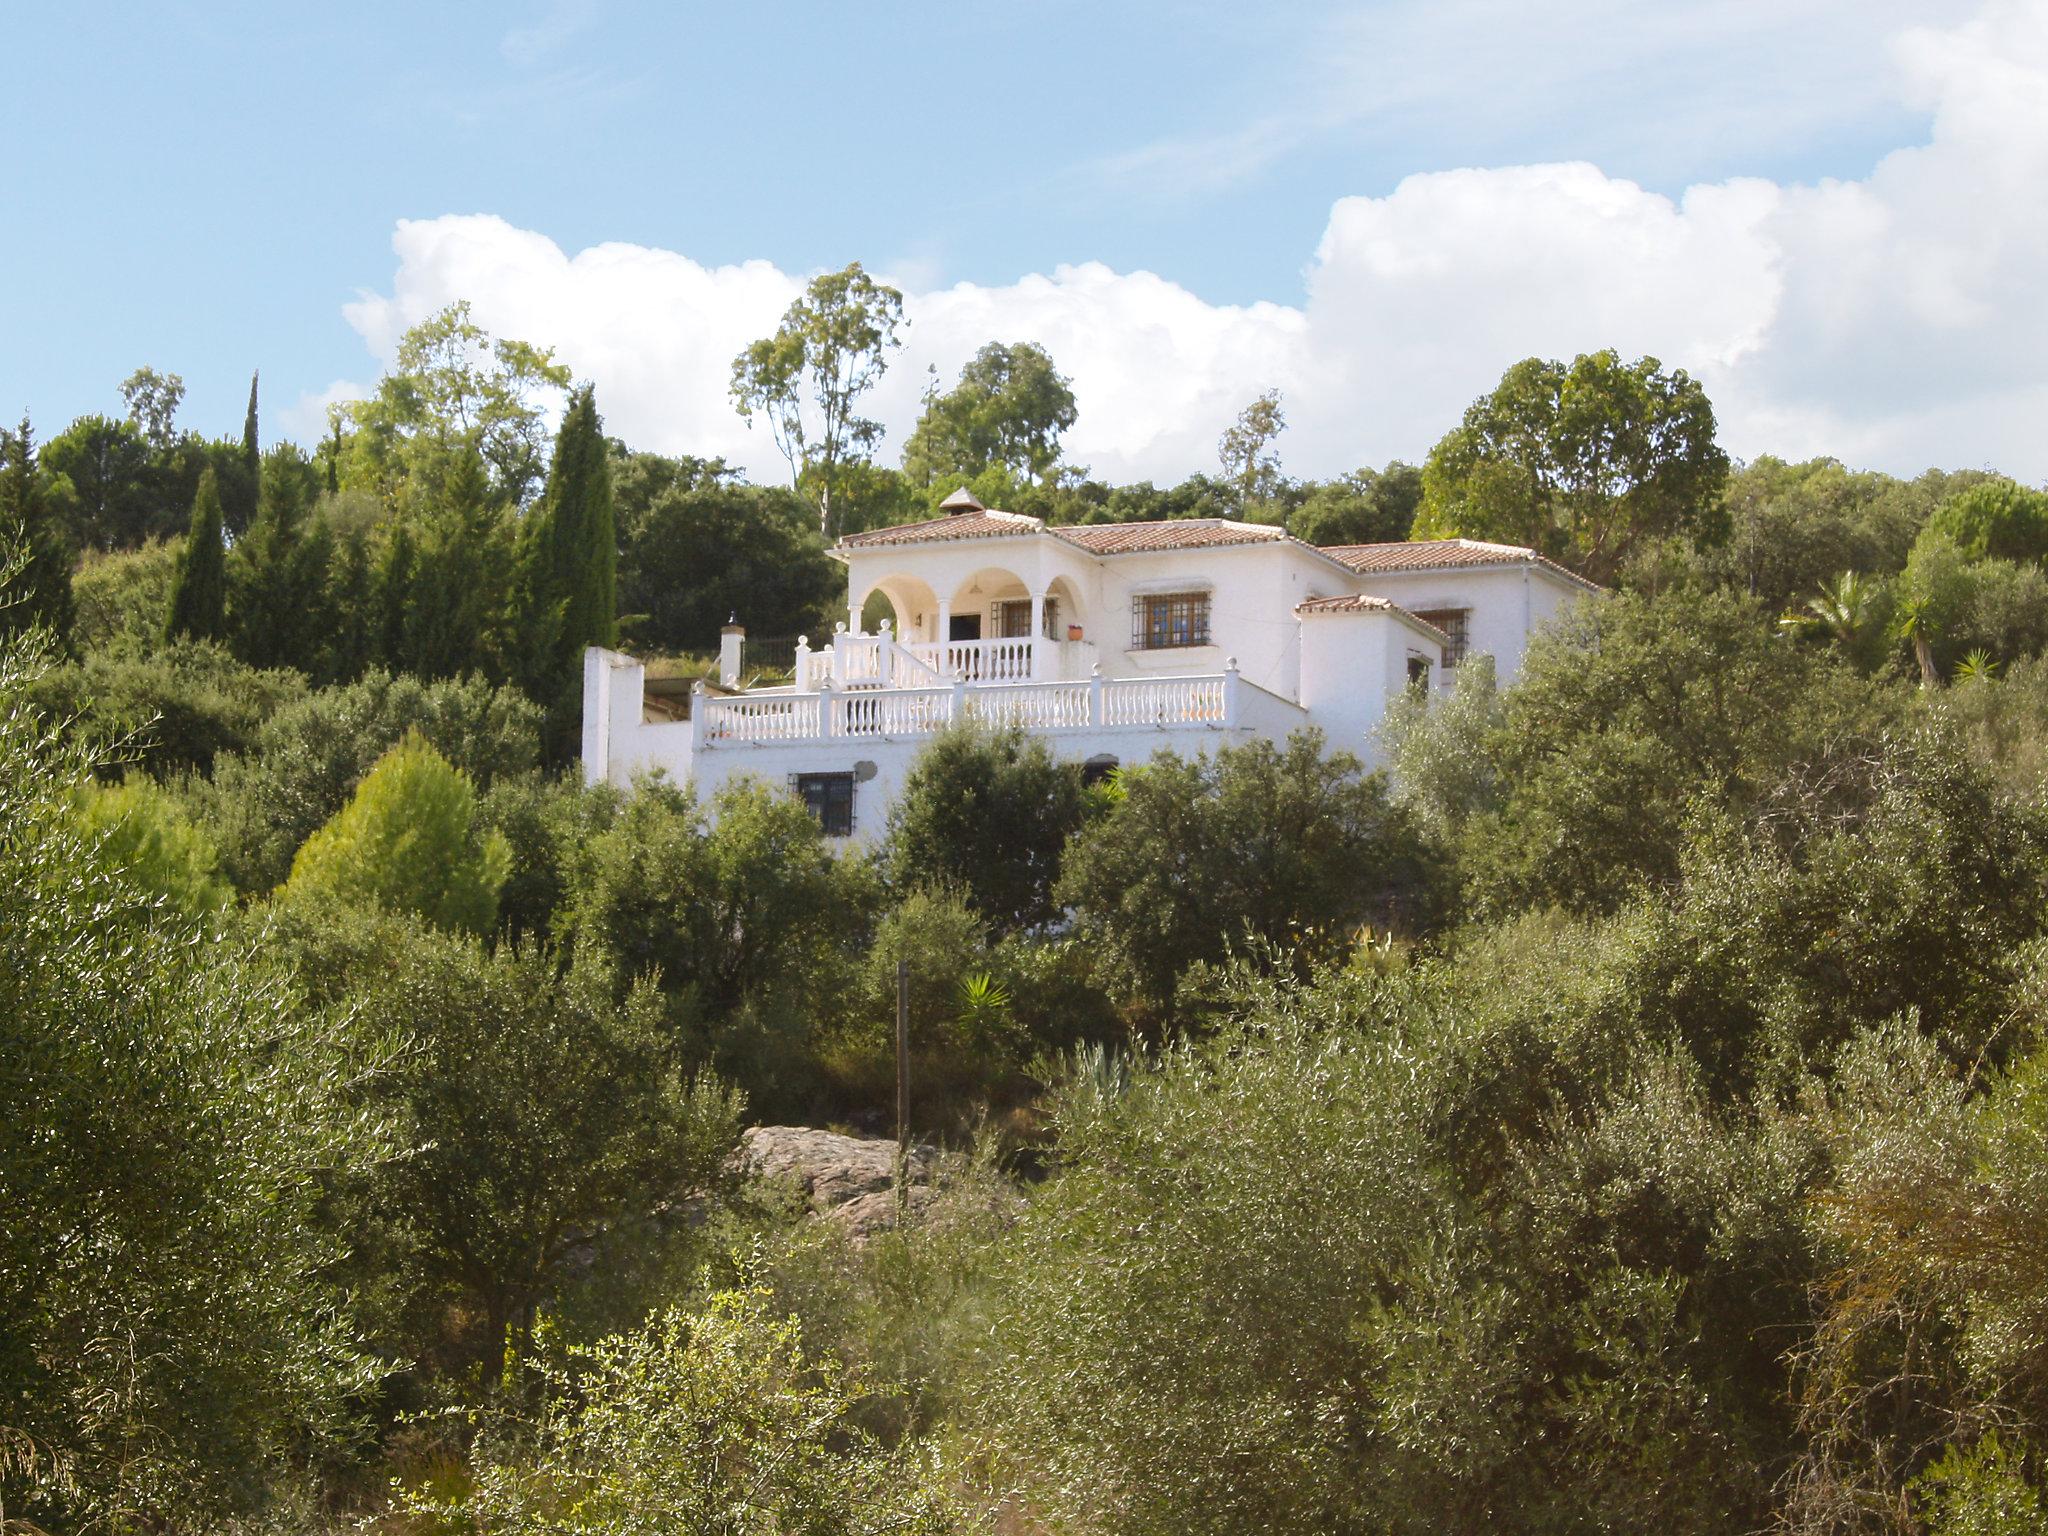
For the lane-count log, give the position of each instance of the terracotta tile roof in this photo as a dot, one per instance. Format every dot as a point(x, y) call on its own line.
point(1358, 602)
point(1176, 533)
point(963, 525)
point(1096, 538)
point(1443, 555)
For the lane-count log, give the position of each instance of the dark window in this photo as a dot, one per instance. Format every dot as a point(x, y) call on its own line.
point(1170, 621)
point(1455, 622)
point(1418, 673)
point(830, 798)
point(1013, 619)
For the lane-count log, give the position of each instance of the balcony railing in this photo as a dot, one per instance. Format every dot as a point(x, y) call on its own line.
point(1140, 703)
point(882, 661)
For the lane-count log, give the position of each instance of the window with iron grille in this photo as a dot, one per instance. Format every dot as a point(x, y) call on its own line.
point(1169, 621)
point(829, 797)
point(1455, 622)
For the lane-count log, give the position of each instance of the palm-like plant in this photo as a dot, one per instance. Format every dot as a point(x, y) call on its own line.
point(984, 1004)
point(1978, 666)
point(1916, 625)
point(1841, 610)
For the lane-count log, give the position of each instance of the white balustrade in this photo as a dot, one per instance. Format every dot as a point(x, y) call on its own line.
point(1165, 700)
point(836, 710)
point(891, 711)
point(761, 717)
point(1032, 706)
point(980, 661)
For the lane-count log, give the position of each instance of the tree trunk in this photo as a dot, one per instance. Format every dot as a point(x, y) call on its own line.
point(1924, 654)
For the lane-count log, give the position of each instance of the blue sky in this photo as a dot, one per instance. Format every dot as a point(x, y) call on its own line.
point(204, 188)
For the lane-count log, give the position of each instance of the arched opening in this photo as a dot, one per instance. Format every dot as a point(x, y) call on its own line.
point(907, 602)
point(992, 604)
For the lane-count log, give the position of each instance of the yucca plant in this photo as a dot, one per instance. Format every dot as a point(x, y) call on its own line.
point(1979, 666)
point(984, 1004)
point(1916, 626)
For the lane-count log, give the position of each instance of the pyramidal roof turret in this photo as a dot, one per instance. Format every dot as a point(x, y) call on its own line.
point(962, 500)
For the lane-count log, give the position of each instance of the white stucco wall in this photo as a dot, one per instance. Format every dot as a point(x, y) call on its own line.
point(1508, 604)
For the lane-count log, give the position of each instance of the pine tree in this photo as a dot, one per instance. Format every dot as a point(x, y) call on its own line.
point(569, 557)
point(41, 593)
point(199, 591)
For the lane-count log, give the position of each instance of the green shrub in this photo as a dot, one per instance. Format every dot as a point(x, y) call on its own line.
point(171, 1337)
point(716, 1420)
point(542, 1115)
point(746, 920)
point(307, 759)
point(139, 830)
point(175, 709)
point(119, 598)
point(409, 842)
point(988, 812)
point(1253, 844)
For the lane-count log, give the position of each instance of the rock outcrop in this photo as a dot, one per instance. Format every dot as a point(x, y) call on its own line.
point(849, 1180)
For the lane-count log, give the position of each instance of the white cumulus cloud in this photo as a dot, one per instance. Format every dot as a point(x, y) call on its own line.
point(1899, 320)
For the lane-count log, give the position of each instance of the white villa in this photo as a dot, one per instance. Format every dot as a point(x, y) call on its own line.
point(1111, 641)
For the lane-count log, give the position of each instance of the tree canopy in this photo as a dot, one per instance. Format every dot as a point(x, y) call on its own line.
point(456, 390)
point(1584, 462)
point(1008, 409)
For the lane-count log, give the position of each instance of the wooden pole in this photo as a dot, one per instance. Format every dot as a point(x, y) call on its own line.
point(902, 1078)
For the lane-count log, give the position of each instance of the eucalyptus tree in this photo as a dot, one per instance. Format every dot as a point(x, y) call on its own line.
point(1009, 409)
point(1245, 451)
point(457, 389)
point(831, 348)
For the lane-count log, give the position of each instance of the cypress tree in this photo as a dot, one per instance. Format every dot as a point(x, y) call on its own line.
point(278, 608)
point(351, 600)
point(42, 592)
point(397, 577)
point(252, 454)
point(570, 555)
point(455, 623)
point(199, 590)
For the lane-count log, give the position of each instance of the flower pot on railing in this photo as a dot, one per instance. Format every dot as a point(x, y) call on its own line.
point(1073, 632)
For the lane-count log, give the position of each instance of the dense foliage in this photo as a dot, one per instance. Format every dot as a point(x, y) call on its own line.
point(1626, 1108)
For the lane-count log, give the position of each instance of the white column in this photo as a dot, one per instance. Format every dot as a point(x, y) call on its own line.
point(945, 621)
point(853, 616)
point(800, 676)
point(1230, 693)
point(1095, 694)
point(698, 699)
point(1037, 635)
point(597, 714)
point(732, 640)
